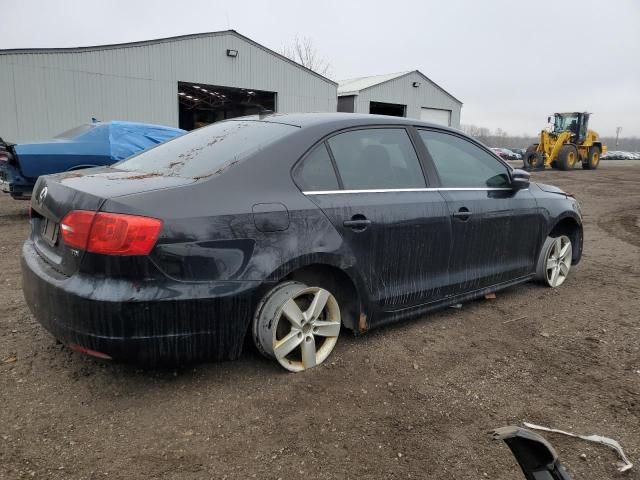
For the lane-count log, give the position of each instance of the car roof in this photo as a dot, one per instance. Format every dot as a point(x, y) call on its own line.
point(339, 120)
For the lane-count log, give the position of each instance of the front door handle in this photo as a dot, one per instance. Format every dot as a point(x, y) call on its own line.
point(357, 222)
point(463, 214)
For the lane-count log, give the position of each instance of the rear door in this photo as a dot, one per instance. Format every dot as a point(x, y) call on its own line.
point(496, 230)
point(398, 230)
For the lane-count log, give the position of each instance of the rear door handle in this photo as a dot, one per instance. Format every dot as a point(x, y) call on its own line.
point(462, 214)
point(357, 222)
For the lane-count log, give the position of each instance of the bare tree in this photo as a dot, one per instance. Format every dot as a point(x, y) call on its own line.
point(304, 52)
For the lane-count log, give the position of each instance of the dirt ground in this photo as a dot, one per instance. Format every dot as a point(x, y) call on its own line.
point(416, 400)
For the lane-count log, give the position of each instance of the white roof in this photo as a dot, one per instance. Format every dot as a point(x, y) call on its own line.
point(353, 86)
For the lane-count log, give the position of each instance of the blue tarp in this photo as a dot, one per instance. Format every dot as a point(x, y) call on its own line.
point(127, 138)
point(94, 144)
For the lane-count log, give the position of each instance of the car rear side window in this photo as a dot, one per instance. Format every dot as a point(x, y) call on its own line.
point(208, 150)
point(316, 171)
point(376, 158)
point(461, 164)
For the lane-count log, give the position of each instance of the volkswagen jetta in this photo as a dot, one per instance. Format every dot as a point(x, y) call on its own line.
point(289, 228)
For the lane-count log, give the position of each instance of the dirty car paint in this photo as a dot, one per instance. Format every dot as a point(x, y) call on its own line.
point(227, 238)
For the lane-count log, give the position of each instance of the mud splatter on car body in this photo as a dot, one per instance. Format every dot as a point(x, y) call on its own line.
point(236, 224)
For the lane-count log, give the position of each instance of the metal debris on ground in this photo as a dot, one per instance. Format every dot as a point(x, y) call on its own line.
point(609, 442)
point(535, 455)
point(490, 296)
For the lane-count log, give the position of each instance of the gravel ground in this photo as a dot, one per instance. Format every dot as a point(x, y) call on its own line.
point(414, 400)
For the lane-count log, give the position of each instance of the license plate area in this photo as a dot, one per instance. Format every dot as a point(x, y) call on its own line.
point(49, 231)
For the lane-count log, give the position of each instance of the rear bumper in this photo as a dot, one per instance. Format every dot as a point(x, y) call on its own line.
point(13, 183)
point(140, 321)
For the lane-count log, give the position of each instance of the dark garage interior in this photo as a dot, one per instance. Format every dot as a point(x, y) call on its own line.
point(201, 104)
point(393, 109)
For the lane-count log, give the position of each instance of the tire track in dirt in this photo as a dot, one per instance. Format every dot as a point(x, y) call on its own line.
point(623, 226)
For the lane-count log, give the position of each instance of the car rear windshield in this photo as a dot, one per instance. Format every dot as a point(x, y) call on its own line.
point(208, 150)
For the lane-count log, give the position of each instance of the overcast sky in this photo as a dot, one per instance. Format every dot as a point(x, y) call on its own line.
point(510, 62)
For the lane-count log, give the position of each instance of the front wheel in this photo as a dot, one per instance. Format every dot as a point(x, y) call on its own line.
point(554, 262)
point(298, 325)
point(567, 157)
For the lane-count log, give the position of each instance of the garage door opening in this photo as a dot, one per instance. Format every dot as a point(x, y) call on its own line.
point(200, 104)
point(436, 115)
point(392, 109)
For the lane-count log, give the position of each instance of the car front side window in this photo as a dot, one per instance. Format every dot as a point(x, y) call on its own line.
point(376, 158)
point(461, 164)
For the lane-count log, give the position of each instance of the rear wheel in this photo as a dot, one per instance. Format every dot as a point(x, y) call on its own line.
point(298, 325)
point(592, 160)
point(554, 262)
point(567, 157)
point(533, 160)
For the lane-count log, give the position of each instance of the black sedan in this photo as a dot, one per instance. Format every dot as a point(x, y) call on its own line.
point(289, 228)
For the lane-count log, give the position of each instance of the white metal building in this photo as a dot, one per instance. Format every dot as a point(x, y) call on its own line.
point(182, 81)
point(404, 94)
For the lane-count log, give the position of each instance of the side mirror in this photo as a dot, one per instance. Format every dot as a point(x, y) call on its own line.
point(548, 119)
point(519, 179)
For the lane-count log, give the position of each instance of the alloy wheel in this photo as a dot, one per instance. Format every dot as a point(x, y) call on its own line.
point(558, 261)
point(297, 325)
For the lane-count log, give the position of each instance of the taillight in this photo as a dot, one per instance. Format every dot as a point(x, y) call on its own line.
point(110, 233)
point(75, 227)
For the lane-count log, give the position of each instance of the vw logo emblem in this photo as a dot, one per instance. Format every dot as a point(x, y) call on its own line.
point(42, 195)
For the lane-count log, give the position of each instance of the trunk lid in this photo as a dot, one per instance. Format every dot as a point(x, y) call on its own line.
point(56, 195)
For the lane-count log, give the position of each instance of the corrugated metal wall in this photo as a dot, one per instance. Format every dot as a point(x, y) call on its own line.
point(43, 93)
point(401, 90)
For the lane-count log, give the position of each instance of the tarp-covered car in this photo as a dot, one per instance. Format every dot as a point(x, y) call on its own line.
point(89, 145)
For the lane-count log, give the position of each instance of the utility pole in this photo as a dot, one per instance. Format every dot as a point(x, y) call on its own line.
point(618, 130)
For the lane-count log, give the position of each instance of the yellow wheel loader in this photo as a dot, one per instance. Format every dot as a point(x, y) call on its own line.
point(568, 142)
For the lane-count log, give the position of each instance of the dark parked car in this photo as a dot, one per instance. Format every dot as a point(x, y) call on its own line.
point(506, 154)
point(89, 145)
point(286, 228)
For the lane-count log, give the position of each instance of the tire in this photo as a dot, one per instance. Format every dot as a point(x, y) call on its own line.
point(297, 325)
point(533, 160)
point(554, 262)
point(593, 159)
point(567, 158)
